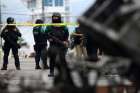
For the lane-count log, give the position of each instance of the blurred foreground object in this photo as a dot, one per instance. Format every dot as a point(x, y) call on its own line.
point(113, 25)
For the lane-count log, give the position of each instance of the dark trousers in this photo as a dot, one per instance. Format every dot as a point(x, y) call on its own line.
point(6, 50)
point(56, 54)
point(91, 50)
point(41, 53)
point(92, 53)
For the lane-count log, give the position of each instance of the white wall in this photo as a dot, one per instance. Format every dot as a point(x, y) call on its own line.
point(55, 9)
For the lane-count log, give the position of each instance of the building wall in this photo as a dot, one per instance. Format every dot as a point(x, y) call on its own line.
point(48, 10)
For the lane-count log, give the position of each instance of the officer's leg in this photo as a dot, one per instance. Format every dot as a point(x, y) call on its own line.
point(16, 57)
point(92, 53)
point(89, 50)
point(52, 65)
point(6, 50)
point(100, 51)
point(52, 55)
point(44, 58)
point(61, 60)
point(62, 55)
point(37, 58)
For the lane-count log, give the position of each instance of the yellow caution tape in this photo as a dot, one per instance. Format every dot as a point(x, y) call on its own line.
point(50, 24)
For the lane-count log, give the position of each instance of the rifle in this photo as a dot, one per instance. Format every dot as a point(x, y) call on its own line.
point(57, 40)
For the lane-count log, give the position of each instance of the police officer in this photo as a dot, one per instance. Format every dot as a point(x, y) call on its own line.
point(58, 38)
point(91, 49)
point(79, 41)
point(10, 34)
point(40, 47)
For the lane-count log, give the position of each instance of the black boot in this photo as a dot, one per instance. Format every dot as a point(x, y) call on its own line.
point(18, 68)
point(45, 66)
point(51, 75)
point(17, 64)
point(37, 67)
point(4, 67)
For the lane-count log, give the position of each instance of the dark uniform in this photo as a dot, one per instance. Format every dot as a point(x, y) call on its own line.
point(58, 38)
point(10, 34)
point(40, 47)
point(78, 39)
point(79, 43)
point(91, 49)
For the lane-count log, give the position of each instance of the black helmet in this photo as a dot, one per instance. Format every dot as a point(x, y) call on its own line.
point(39, 21)
point(56, 17)
point(10, 20)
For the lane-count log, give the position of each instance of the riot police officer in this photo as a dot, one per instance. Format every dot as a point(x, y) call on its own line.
point(40, 47)
point(10, 34)
point(91, 48)
point(58, 38)
point(79, 43)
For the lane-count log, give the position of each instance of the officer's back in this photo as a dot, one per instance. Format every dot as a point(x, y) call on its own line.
point(12, 32)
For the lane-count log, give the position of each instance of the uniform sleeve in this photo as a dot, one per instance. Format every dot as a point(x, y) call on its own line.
point(35, 33)
point(18, 32)
point(48, 31)
point(66, 34)
point(3, 33)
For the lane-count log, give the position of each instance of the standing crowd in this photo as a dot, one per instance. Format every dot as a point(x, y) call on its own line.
point(58, 37)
